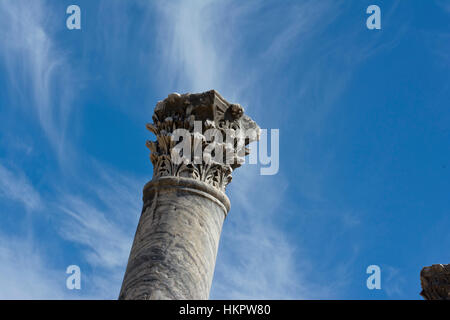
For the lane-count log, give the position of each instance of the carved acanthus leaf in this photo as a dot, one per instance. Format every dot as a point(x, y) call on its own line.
point(197, 114)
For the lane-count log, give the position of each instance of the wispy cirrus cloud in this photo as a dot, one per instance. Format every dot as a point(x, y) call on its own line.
point(25, 273)
point(394, 282)
point(40, 79)
point(14, 185)
point(41, 83)
point(98, 214)
point(103, 224)
point(444, 5)
point(190, 56)
point(106, 243)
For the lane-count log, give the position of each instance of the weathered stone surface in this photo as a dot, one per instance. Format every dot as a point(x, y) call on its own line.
point(175, 245)
point(435, 281)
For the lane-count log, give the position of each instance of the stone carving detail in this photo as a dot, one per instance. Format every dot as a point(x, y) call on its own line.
point(435, 281)
point(198, 114)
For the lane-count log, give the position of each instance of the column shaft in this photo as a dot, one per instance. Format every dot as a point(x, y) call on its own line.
point(175, 246)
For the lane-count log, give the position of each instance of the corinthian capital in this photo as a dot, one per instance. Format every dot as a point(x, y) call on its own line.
point(200, 136)
point(435, 281)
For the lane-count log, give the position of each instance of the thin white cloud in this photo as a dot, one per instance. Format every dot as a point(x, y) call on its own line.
point(41, 83)
point(104, 225)
point(40, 79)
point(444, 5)
point(100, 219)
point(190, 58)
point(393, 281)
point(16, 186)
point(107, 244)
point(24, 273)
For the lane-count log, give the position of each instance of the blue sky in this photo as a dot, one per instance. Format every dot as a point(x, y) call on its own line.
point(364, 126)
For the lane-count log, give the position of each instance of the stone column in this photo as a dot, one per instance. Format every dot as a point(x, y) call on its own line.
point(435, 281)
point(176, 241)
